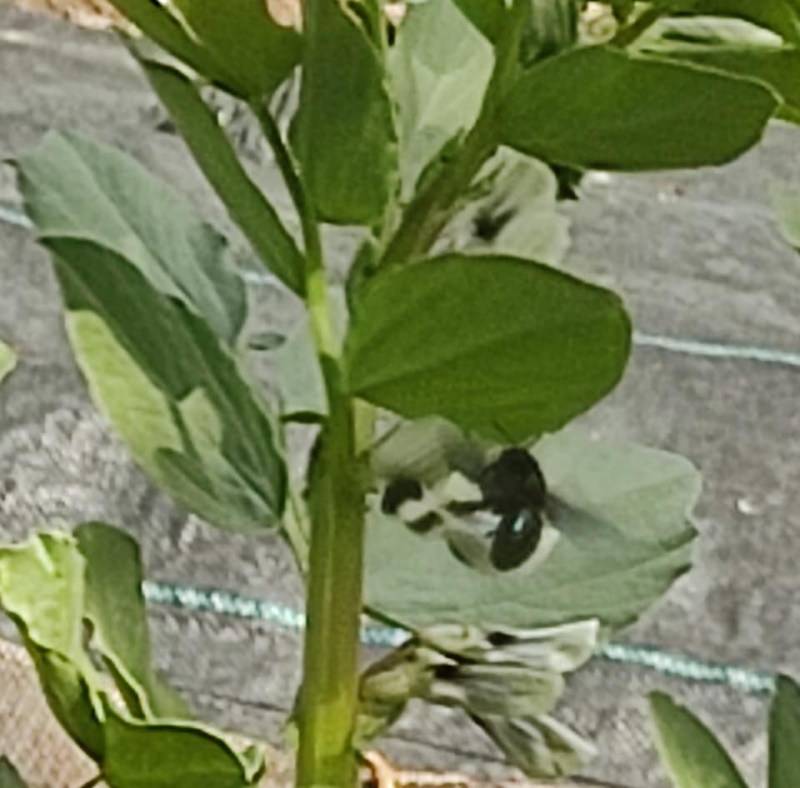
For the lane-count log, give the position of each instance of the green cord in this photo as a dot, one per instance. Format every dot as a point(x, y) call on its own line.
point(666, 663)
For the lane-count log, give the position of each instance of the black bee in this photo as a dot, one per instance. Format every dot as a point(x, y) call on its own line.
point(511, 490)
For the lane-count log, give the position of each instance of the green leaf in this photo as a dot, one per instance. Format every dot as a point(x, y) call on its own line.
point(215, 156)
point(784, 734)
point(691, 752)
point(519, 216)
point(75, 187)
point(175, 395)
point(170, 755)
point(439, 69)
point(9, 776)
point(343, 133)
point(51, 590)
point(601, 108)
point(487, 342)
point(488, 16)
point(733, 46)
point(8, 361)
point(624, 539)
point(245, 39)
point(238, 46)
point(41, 589)
point(115, 606)
point(786, 202)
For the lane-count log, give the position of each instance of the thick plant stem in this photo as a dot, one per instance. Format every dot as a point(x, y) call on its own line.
point(329, 699)
point(328, 706)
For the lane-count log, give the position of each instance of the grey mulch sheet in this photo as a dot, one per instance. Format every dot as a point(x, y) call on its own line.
point(697, 258)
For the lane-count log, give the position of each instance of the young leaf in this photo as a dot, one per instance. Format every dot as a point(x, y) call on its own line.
point(41, 589)
point(691, 752)
point(172, 755)
point(239, 46)
point(624, 540)
point(115, 606)
point(439, 68)
point(784, 735)
point(8, 360)
point(171, 390)
point(9, 776)
point(215, 156)
point(78, 188)
point(486, 341)
point(601, 108)
point(343, 134)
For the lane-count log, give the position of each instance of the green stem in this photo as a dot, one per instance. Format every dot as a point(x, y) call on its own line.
point(627, 34)
point(329, 695)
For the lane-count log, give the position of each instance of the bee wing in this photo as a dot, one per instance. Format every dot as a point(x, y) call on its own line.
point(585, 530)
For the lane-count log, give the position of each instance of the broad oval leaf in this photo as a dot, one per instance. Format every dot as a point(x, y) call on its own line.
point(172, 391)
point(737, 47)
point(692, 754)
point(214, 154)
point(8, 361)
point(238, 44)
point(491, 343)
point(601, 108)
point(625, 537)
point(173, 755)
point(343, 133)
point(784, 735)
point(75, 187)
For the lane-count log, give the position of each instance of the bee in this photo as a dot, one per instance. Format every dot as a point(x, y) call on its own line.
point(504, 503)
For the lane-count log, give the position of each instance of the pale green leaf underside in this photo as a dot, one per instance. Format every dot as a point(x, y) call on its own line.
point(624, 539)
point(172, 391)
point(77, 188)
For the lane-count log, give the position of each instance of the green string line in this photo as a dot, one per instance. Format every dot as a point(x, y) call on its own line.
point(668, 664)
